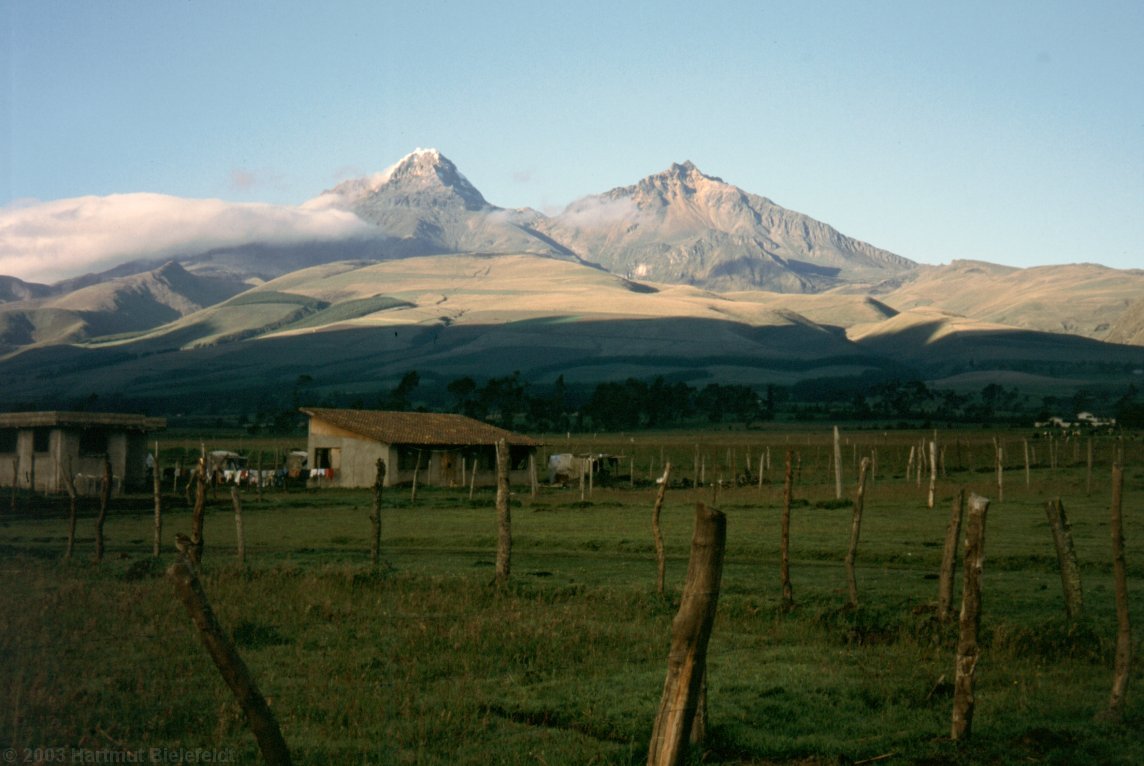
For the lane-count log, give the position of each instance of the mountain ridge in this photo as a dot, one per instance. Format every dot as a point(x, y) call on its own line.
point(679, 274)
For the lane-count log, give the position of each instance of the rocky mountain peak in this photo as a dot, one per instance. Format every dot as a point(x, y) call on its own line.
point(428, 167)
point(680, 181)
point(422, 172)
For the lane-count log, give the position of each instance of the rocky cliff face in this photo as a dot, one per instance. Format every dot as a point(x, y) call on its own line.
point(684, 226)
point(424, 204)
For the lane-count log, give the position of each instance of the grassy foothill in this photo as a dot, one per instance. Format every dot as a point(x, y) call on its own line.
point(425, 661)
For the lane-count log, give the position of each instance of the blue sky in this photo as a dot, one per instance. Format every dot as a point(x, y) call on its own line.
point(1011, 132)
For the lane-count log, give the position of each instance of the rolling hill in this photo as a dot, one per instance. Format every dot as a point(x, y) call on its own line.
point(680, 275)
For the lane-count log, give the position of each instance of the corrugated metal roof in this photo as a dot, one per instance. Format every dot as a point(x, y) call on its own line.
point(422, 428)
point(128, 422)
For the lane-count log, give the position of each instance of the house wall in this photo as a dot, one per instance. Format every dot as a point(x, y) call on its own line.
point(354, 461)
point(42, 470)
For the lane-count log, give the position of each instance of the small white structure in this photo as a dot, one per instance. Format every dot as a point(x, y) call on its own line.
point(37, 448)
point(344, 446)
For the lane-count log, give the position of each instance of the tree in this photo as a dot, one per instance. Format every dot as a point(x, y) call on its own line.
point(399, 398)
point(502, 399)
point(463, 390)
point(549, 412)
point(617, 406)
point(1129, 410)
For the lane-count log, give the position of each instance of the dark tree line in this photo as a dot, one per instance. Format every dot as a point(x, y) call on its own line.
point(631, 404)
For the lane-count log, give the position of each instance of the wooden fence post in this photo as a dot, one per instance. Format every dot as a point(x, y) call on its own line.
point(1029, 478)
point(784, 543)
point(855, 528)
point(195, 547)
point(1123, 629)
point(73, 508)
point(375, 514)
point(931, 499)
point(999, 460)
point(504, 518)
point(1088, 473)
point(657, 533)
point(104, 502)
point(949, 559)
point(157, 491)
point(690, 632)
point(837, 465)
point(416, 475)
point(239, 532)
point(591, 476)
point(1066, 558)
point(970, 622)
point(473, 481)
point(921, 462)
point(230, 665)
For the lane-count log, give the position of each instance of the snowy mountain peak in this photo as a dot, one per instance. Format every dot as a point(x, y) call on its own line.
point(420, 171)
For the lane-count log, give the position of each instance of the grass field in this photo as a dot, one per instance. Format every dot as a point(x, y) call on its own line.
point(425, 662)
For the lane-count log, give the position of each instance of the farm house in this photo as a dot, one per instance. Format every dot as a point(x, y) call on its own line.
point(344, 446)
point(36, 447)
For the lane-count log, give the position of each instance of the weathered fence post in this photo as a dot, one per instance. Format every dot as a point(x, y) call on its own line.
point(416, 475)
point(837, 465)
point(970, 622)
point(855, 528)
point(532, 488)
point(157, 491)
point(1066, 558)
point(690, 632)
point(195, 548)
point(1123, 629)
point(104, 502)
point(473, 481)
point(657, 532)
point(932, 475)
point(591, 476)
point(504, 518)
point(921, 461)
point(230, 665)
point(784, 543)
point(1088, 473)
point(583, 484)
point(239, 532)
point(73, 509)
point(999, 459)
point(949, 559)
point(375, 514)
point(1029, 477)
point(15, 482)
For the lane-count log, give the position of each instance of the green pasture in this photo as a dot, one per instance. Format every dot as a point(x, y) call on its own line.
point(424, 661)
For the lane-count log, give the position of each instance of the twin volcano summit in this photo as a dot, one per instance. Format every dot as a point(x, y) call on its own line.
point(678, 226)
point(680, 275)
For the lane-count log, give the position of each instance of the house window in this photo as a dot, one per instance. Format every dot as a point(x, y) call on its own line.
point(408, 458)
point(518, 458)
point(8, 437)
point(41, 439)
point(322, 457)
point(93, 441)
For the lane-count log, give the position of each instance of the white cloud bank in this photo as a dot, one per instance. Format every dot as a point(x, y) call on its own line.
point(50, 241)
